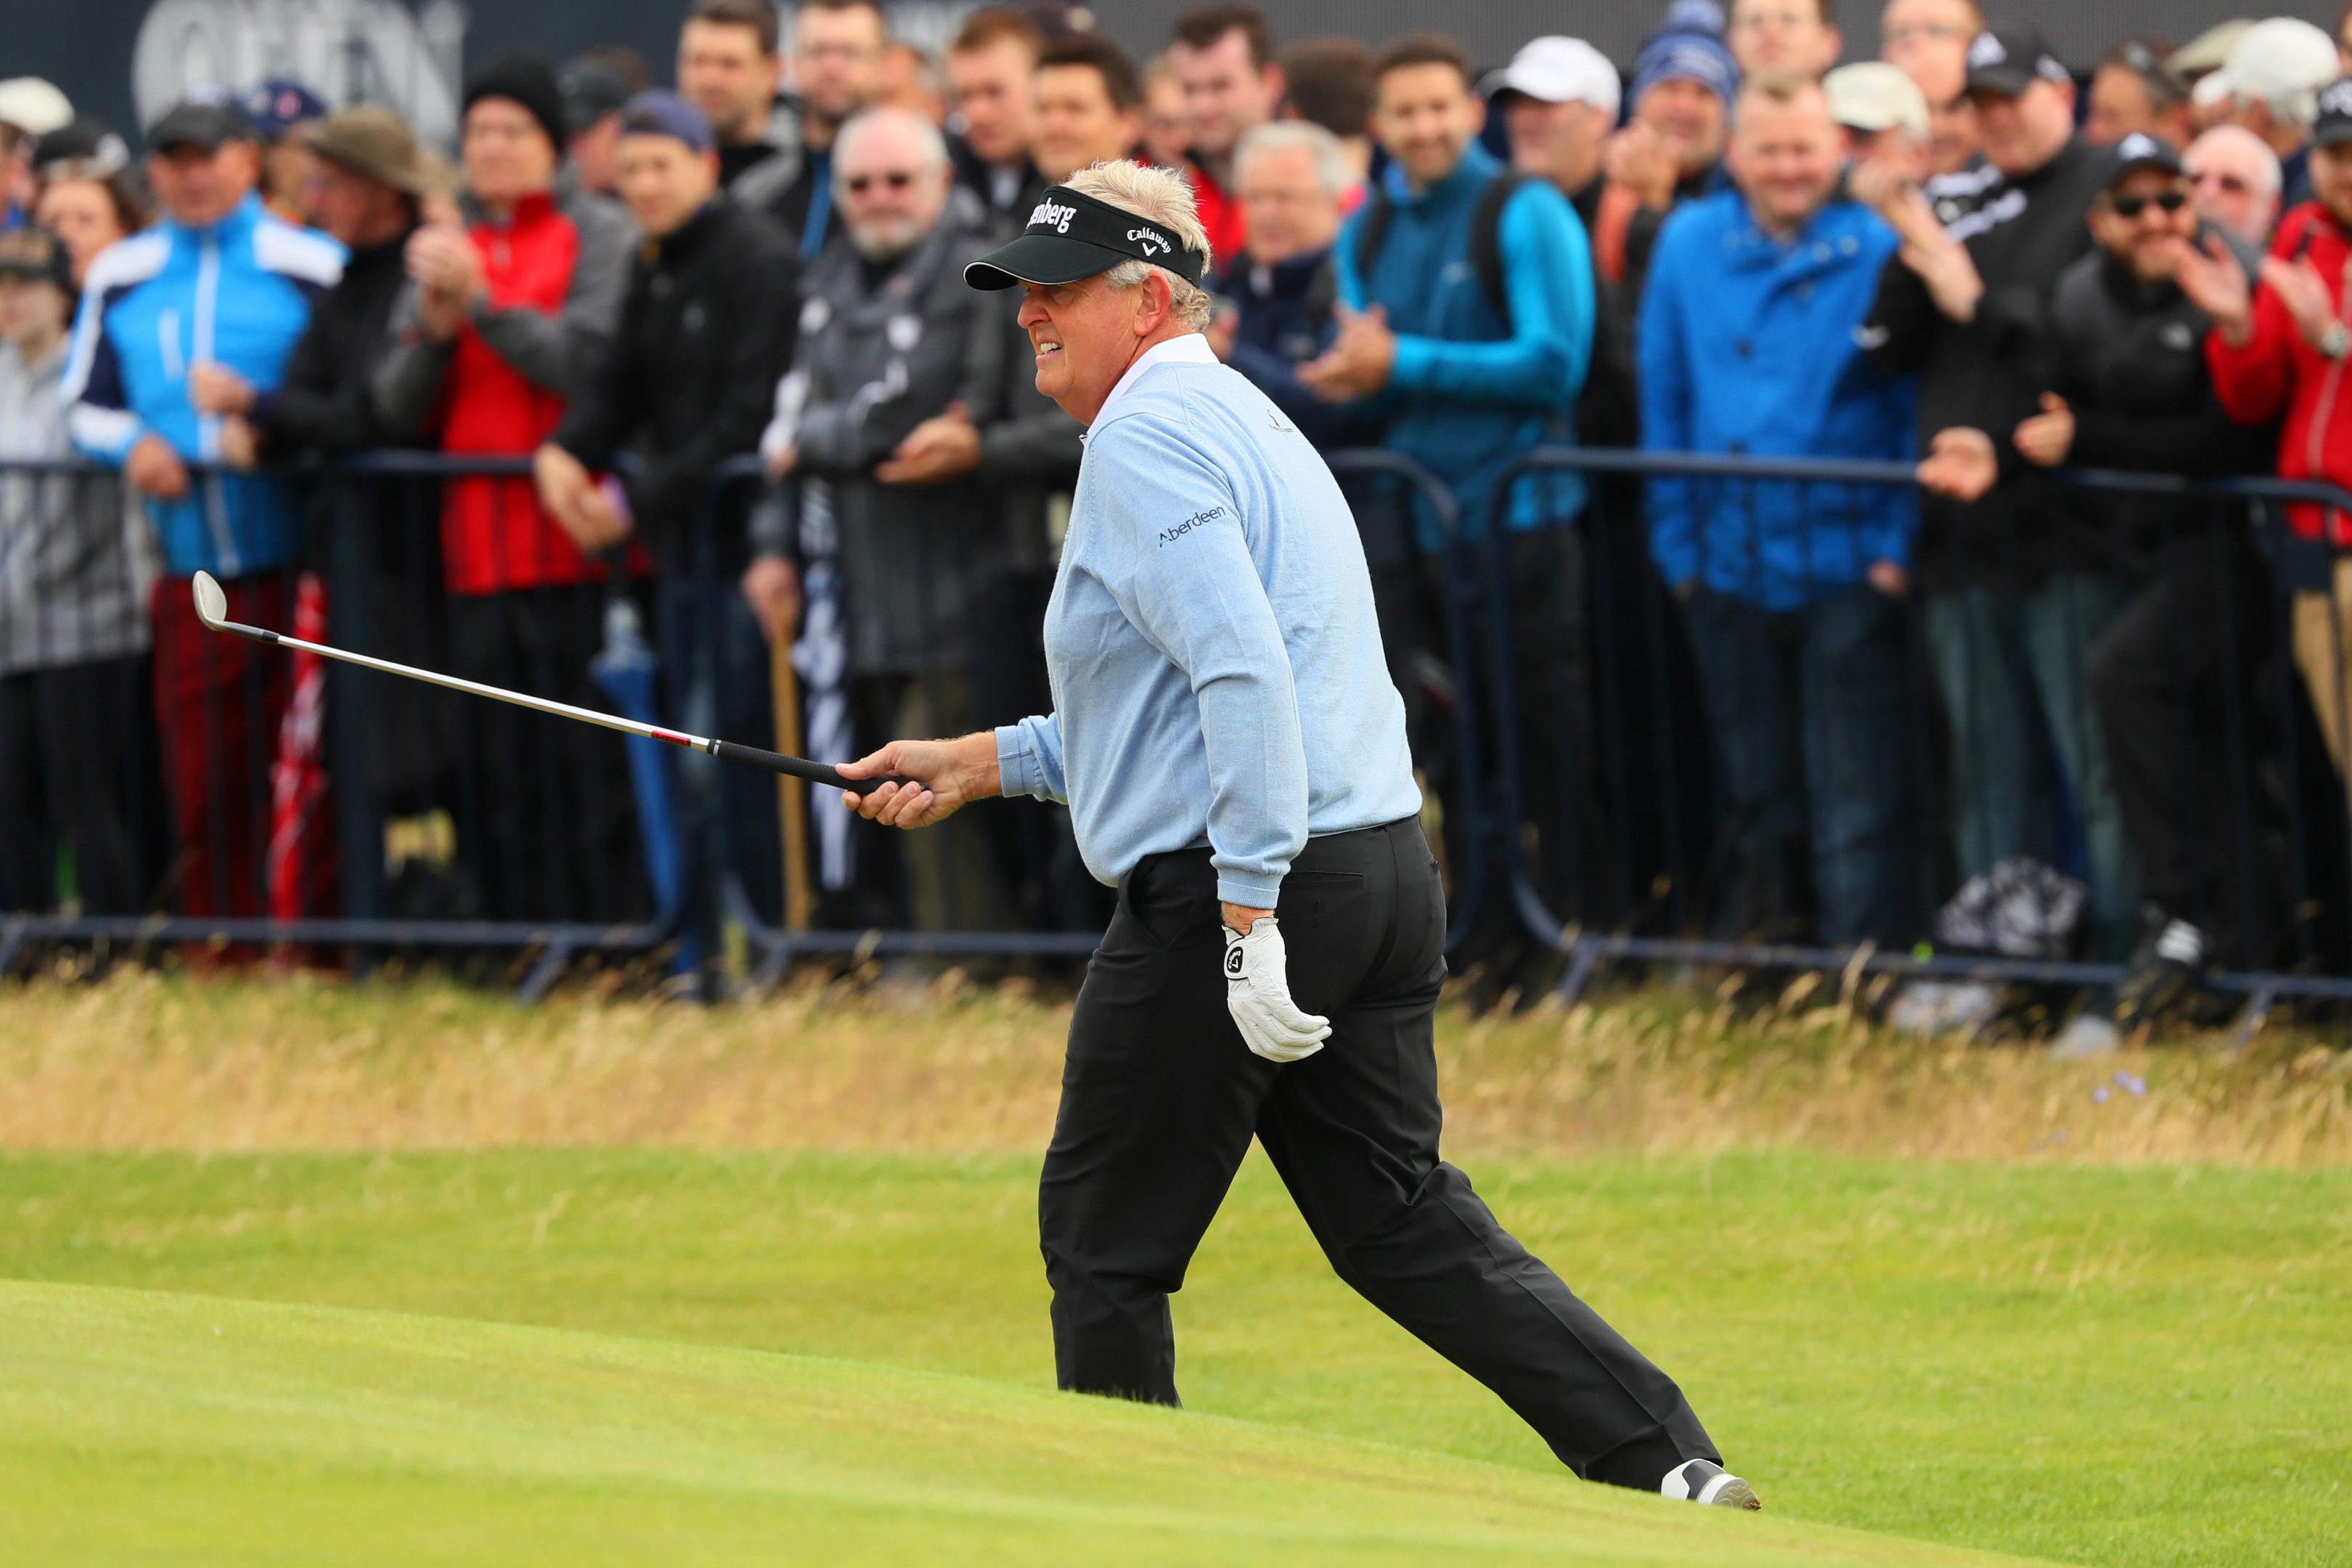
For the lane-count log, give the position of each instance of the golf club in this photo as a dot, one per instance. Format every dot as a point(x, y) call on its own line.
point(212, 608)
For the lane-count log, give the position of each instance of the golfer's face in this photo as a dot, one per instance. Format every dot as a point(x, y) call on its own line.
point(1083, 334)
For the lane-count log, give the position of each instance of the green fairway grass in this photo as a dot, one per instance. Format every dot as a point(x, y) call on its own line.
point(138, 1427)
point(2100, 1366)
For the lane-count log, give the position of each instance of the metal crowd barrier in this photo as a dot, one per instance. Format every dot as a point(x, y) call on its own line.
point(1553, 660)
point(2266, 861)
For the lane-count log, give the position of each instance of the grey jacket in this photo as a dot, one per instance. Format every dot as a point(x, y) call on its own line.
point(77, 558)
point(1029, 449)
point(557, 353)
point(874, 359)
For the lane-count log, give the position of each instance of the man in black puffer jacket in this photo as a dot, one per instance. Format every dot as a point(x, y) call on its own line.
point(2129, 390)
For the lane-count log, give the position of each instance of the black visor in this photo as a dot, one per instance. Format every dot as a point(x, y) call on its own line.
point(1072, 235)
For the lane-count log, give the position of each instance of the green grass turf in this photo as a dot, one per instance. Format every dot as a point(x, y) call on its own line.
point(137, 1427)
point(2092, 1365)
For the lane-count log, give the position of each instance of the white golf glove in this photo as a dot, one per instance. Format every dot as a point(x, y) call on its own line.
point(1257, 993)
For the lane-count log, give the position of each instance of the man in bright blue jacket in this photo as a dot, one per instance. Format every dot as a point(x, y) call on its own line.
point(176, 324)
point(1467, 325)
point(1750, 342)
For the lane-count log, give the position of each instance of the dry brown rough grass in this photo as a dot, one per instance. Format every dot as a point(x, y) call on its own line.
point(143, 1061)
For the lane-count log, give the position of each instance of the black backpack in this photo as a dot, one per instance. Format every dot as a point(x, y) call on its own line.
point(1486, 237)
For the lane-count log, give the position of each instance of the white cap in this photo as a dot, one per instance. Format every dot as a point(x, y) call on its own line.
point(1871, 95)
point(1560, 70)
point(2281, 60)
point(33, 106)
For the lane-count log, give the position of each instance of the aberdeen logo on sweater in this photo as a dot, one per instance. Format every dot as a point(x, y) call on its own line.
point(1169, 536)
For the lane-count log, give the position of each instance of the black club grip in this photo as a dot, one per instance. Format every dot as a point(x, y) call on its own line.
point(798, 767)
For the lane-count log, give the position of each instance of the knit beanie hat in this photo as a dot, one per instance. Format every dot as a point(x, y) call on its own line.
point(524, 80)
point(1686, 57)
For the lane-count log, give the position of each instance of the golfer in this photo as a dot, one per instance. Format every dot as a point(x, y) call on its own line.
point(1233, 757)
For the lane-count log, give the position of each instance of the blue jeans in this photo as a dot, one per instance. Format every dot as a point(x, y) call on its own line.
point(2014, 669)
point(1812, 722)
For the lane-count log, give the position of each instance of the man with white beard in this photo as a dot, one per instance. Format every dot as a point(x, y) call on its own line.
point(890, 339)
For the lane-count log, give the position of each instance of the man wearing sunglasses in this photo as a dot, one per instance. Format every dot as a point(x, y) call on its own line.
point(2128, 389)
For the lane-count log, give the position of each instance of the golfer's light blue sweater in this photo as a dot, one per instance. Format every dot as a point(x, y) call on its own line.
point(1215, 660)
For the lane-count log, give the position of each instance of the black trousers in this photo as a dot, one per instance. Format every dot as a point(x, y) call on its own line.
point(1159, 1099)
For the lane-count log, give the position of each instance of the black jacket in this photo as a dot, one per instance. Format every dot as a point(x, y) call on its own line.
point(981, 179)
point(706, 329)
point(1990, 372)
point(2131, 362)
point(326, 402)
point(1286, 319)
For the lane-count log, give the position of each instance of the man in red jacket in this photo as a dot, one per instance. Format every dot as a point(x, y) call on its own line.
point(505, 320)
point(2282, 347)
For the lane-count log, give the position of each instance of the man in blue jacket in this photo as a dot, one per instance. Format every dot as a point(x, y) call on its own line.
point(219, 286)
point(1466, 321)
point(1750, 344)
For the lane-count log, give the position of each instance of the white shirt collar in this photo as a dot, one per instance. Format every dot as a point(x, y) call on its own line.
point(1190, 349)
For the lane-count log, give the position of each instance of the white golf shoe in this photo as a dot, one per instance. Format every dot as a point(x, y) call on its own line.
point(1704, 1481)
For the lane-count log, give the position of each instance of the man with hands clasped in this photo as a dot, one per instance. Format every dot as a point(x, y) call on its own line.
point(1232, 751)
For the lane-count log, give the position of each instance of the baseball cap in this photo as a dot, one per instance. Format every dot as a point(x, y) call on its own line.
point(377, 144)
point(2005, 61)
point(591, 89)
point(2140, 151)
point(1686, 57)
point(193, 123)
point(279, 104)
point(83, 148)
point(2209, 50)
point(33, 106)
point(2333, 127)
point(35, 255)
point(1558, 70)
point(1071, 235)
point(659, 114)
point(2280, 58)
point(1871, 95)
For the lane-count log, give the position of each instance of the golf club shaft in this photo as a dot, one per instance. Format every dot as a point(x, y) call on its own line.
point(775, 762)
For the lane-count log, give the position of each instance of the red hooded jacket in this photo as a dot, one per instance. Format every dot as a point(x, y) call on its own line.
point(2278, 371)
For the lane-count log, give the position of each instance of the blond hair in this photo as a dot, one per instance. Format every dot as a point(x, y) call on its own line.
point(1161, 196)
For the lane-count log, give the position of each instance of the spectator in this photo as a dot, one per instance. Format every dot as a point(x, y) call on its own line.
point(2237, 181)
point(1167, 122)
point(1927, 40)
point(1911, 32)
point(369, 183)
point(219, 281)
point(1224, 55)
point(908, 80)
point(75, 566)
point(886, 344)
point(1794, 594)
point(1328, 83)
point(1671, 152)
point(89, 196)
point(991, 77)
point(2014, 597)
point(1784, 37)
point(1280, 295)
point(284, 114)
point(29, 109)
point(593, 88)
point(705, 331)
point(2130, 390)
point(2274, 75)
point(502, 322)
point(773, 160)
point(1559, 97)
point(1470, 366)
point(2277, 353)
point(2135, 91)
point(1089, 106)
point(1883, 116)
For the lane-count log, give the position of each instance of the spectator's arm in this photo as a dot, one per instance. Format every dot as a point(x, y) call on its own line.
point(1642, 231)
point(559, 353)
point(1903, 322)
point(1547, 274)
point(1325, 424)
point(2254, 381)
point(1661, 359)
point(99, 418)
point(1019, 441)
point(2206, 442)
point(318, 405)
point(405, 381)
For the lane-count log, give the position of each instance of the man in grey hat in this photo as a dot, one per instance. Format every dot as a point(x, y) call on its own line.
point(1233, 752)
point(368, 190)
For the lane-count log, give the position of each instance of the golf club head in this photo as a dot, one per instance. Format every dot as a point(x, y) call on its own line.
point(211, 603)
